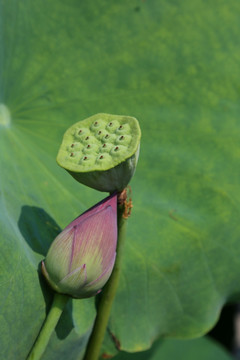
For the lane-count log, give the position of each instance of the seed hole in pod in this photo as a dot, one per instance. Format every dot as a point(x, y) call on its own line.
point(99, 133)
point(80, 131)
point(120, 127)
point(72, 145)
point(116, 148)
point(110, 124)
point(96, 123)
point(106, 136)
point(101, 157)
point(88, 146)
point(87, 138)
point(104, 145)
point(121, 137)
point(85, 158)
point(71, 154)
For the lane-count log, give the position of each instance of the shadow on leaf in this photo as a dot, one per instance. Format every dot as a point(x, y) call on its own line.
point(38, 228)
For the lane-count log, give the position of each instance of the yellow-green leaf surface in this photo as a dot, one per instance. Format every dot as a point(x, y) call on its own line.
point(198, 349)
point(174, 65)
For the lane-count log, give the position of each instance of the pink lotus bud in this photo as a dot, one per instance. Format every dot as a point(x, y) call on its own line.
point(81, 258)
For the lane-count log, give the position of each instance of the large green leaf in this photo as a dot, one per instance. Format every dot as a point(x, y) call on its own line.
point(198, 349)
point(174, 66)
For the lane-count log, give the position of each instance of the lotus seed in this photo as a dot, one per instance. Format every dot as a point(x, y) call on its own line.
point(106, 136)
point(85, 158)
point(99, 133)
point(105, 148)
point(80, 131)
point(88, 146)
point(116, 148)
point(101, 157)
point(87, 138)
point(72, 145)
point(71, 154)
point(96, 123)
point(123, 140)
point(110, 124)
point(120, 127)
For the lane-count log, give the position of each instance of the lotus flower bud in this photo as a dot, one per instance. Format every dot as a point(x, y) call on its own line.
point(81, 258)
point(101, 151)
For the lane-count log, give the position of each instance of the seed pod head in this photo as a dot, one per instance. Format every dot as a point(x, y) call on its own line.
point(101, 151)
point(81, 258)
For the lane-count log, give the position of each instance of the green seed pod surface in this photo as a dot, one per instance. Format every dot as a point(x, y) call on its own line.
point(101, 151)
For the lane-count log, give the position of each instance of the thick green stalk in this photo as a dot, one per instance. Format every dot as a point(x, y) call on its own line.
point(108, 295)
point(59, 302)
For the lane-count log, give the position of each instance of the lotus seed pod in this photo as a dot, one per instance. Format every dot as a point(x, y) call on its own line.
point(101, 151)
point(81, 258)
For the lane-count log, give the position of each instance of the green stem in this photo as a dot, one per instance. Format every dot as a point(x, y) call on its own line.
point(108, 295)
point(59, 302)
